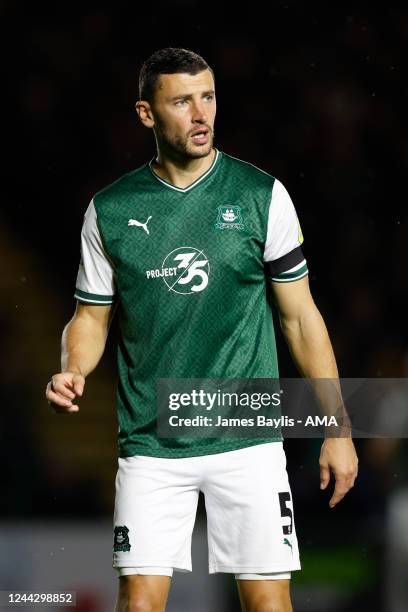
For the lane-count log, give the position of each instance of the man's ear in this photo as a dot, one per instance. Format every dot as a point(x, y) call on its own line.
point(144, 111)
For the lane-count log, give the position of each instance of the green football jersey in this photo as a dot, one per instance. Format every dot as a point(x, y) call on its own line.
point(188, 268)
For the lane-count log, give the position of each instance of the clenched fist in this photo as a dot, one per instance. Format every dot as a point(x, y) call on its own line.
point(63, 389)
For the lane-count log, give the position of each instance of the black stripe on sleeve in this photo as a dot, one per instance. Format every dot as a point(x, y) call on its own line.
point(284, 263)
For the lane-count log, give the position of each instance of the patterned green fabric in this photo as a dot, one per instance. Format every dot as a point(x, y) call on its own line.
point(191, 290)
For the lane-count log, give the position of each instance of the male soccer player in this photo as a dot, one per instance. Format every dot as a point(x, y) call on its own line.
point(185, 245)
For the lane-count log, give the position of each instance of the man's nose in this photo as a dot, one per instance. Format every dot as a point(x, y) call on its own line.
point(198, 113)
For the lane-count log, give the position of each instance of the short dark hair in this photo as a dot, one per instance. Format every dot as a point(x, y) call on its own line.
point(170, 60)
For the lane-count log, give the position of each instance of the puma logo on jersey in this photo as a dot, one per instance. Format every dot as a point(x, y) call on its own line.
point(138, 223)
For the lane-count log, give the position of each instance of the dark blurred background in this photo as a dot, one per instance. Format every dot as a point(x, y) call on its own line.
point(315, 95)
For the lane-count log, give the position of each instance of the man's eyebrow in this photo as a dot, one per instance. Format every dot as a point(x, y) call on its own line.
point(188, 96)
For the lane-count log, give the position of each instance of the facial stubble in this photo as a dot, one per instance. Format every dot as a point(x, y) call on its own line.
point(180, 146)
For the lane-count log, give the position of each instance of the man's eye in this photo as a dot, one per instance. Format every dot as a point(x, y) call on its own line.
point(209, 97)
point(180, 102)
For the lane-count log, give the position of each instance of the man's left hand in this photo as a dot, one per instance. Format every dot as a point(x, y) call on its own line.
point(339, 456)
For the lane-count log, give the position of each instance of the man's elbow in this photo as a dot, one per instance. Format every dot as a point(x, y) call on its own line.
point(305, 319)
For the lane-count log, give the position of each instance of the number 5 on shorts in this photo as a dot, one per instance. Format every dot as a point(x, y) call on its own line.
point(284, 498)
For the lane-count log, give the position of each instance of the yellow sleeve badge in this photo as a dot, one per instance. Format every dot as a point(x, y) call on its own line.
point(300, 235)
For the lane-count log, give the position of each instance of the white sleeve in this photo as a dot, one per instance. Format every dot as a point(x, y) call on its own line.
point(95, 282)
point(283, 256)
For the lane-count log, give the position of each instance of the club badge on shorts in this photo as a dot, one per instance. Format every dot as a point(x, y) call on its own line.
point(121, 539)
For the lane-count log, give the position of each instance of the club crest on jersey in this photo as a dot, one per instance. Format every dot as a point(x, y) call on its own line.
point(229, 217)
point(121, 539)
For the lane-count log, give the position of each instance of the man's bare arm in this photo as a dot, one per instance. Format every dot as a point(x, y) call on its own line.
point(82, 345)
point(311, 349)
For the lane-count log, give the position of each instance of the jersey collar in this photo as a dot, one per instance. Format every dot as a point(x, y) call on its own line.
point(196, 182)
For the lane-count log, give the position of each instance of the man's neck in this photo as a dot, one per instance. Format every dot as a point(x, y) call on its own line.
point(182, 173)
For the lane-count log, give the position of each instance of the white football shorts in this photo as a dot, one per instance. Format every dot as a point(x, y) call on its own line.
point(248, 501)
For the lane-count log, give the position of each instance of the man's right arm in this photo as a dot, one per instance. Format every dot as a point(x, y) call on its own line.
point(82, 346)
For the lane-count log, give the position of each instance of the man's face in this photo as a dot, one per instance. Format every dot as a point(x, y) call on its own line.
point(184, 111)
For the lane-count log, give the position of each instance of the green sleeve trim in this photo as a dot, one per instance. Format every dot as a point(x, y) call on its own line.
point(93, 298)
point(287, 277)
